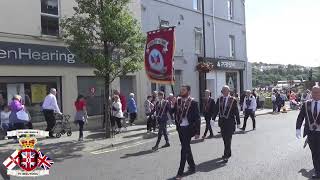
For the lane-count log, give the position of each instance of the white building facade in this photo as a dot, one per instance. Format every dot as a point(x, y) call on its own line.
point(225, 36)
point(33, 59)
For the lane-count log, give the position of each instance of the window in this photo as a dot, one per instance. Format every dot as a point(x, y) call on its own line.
point(232, 46)
point(178, 81)
point(95, 101)
point(198, 41)
point(196, 5)
point(50, 17)
point(230, 10)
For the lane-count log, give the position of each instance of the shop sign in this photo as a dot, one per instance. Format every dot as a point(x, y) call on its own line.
point(225, 64)
point(35, 54)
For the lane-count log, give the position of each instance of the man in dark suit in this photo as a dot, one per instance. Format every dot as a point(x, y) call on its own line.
point(227, 109)
point(208, 111)
point(310, 113)
point(188, 125)
point(161, 109)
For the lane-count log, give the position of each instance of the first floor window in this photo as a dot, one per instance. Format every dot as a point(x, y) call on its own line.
point(232, 46)
point(49, 25)
point(198, 41)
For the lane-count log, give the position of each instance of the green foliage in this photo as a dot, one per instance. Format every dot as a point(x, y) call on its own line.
point(103, 34)
point(268, 74)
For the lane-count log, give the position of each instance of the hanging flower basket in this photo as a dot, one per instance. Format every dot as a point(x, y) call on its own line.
point(204, 67)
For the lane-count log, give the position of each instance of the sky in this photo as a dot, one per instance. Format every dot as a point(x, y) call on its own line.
point(283, 31)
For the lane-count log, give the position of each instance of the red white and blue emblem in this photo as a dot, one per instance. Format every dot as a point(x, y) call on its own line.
point(28, 159)
point(44, 161)
point(156, 61)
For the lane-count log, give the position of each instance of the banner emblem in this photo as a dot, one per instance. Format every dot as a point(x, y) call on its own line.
point(159, 54)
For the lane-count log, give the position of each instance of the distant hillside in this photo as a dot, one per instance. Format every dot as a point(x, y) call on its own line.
point(267, 74)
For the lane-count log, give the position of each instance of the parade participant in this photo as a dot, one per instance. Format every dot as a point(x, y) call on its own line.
point(154, 101)
point(208, 111)
point(187, 117)
point(50, 106)
point(229, 116)
point(148, 108)
point(161, 109)
point(249, 108)
point(310, 113)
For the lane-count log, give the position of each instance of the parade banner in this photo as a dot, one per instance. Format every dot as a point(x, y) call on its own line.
point(159, 53)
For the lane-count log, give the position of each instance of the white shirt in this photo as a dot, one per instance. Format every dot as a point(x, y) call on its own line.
point(318, 105)
point(225, 104)
point(5, 117)
point(253, 104)
point(184, 122)
point(273, 98)
point(50, 103)
point(117, 112)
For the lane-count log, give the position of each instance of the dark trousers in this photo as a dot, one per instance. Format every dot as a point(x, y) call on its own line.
point(153, 123)
point(186, 153)
point(81, 123)
point(208, 127)
point(162, 132)
point(149, 122)
point(279, 106)
point(115, 120)
point(274, 106)
point(226, 134)
point(314, 144)
point(249, 112)
point(133, 117)
point(51, 121)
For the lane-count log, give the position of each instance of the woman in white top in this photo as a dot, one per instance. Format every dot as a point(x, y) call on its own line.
point(117, 113)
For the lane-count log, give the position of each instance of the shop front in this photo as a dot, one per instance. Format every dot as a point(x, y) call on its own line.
point(224, 72)
point(30, 70)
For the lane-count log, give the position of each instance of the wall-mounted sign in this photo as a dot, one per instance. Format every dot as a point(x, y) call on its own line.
point(35, 54)
point(224, 64)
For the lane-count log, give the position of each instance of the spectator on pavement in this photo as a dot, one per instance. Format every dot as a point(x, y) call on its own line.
point(132, 109)
point(50, 106)
point(123, 100)
point(81, 116)
point(5, 114)
point(262, 100)
point(273, 99)
point(117, 113)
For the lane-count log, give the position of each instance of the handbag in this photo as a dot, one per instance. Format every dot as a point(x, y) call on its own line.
point(23, 115)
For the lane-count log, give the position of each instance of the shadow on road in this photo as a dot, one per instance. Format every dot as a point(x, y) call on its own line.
point(196, 141)
point(140, 153)
point(306, 174)
point(210, 165)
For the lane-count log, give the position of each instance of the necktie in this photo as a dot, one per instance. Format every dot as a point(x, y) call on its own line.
point(315, 110)
point(224, 104)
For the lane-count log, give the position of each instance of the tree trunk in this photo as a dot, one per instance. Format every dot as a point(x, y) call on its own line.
point(107, 105)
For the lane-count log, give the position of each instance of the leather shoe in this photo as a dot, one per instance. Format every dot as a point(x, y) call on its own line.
point(191, 171)
point(155, 148)
point(166, 145)
point(316, 176)
point(178, 177)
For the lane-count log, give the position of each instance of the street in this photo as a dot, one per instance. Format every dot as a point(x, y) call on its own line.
point(270, 152)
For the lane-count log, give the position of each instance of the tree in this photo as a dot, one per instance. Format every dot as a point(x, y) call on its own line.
point(103, 34)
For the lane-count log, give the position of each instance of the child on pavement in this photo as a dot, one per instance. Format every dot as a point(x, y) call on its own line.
point(5, 120)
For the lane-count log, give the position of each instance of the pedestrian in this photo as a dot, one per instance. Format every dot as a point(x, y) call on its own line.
point(81, 116)
point(50, 106)
point(154, 101)
point(188, 125)
point(279, 102)
point(170, 114)
point(250, 106)
point(161, 109)
point(274, 105)
point(117, 113)
point(262, 100)
point(132, 109)
point(229, 118)
point(208, 111)
point(148, 108)
point(310, 114)
point(5, 114)
point(18, 117)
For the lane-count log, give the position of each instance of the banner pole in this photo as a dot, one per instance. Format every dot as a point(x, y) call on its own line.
point(172, 89)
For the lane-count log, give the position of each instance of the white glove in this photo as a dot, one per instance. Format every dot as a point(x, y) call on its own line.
point(298, 133)
point(238, 126)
